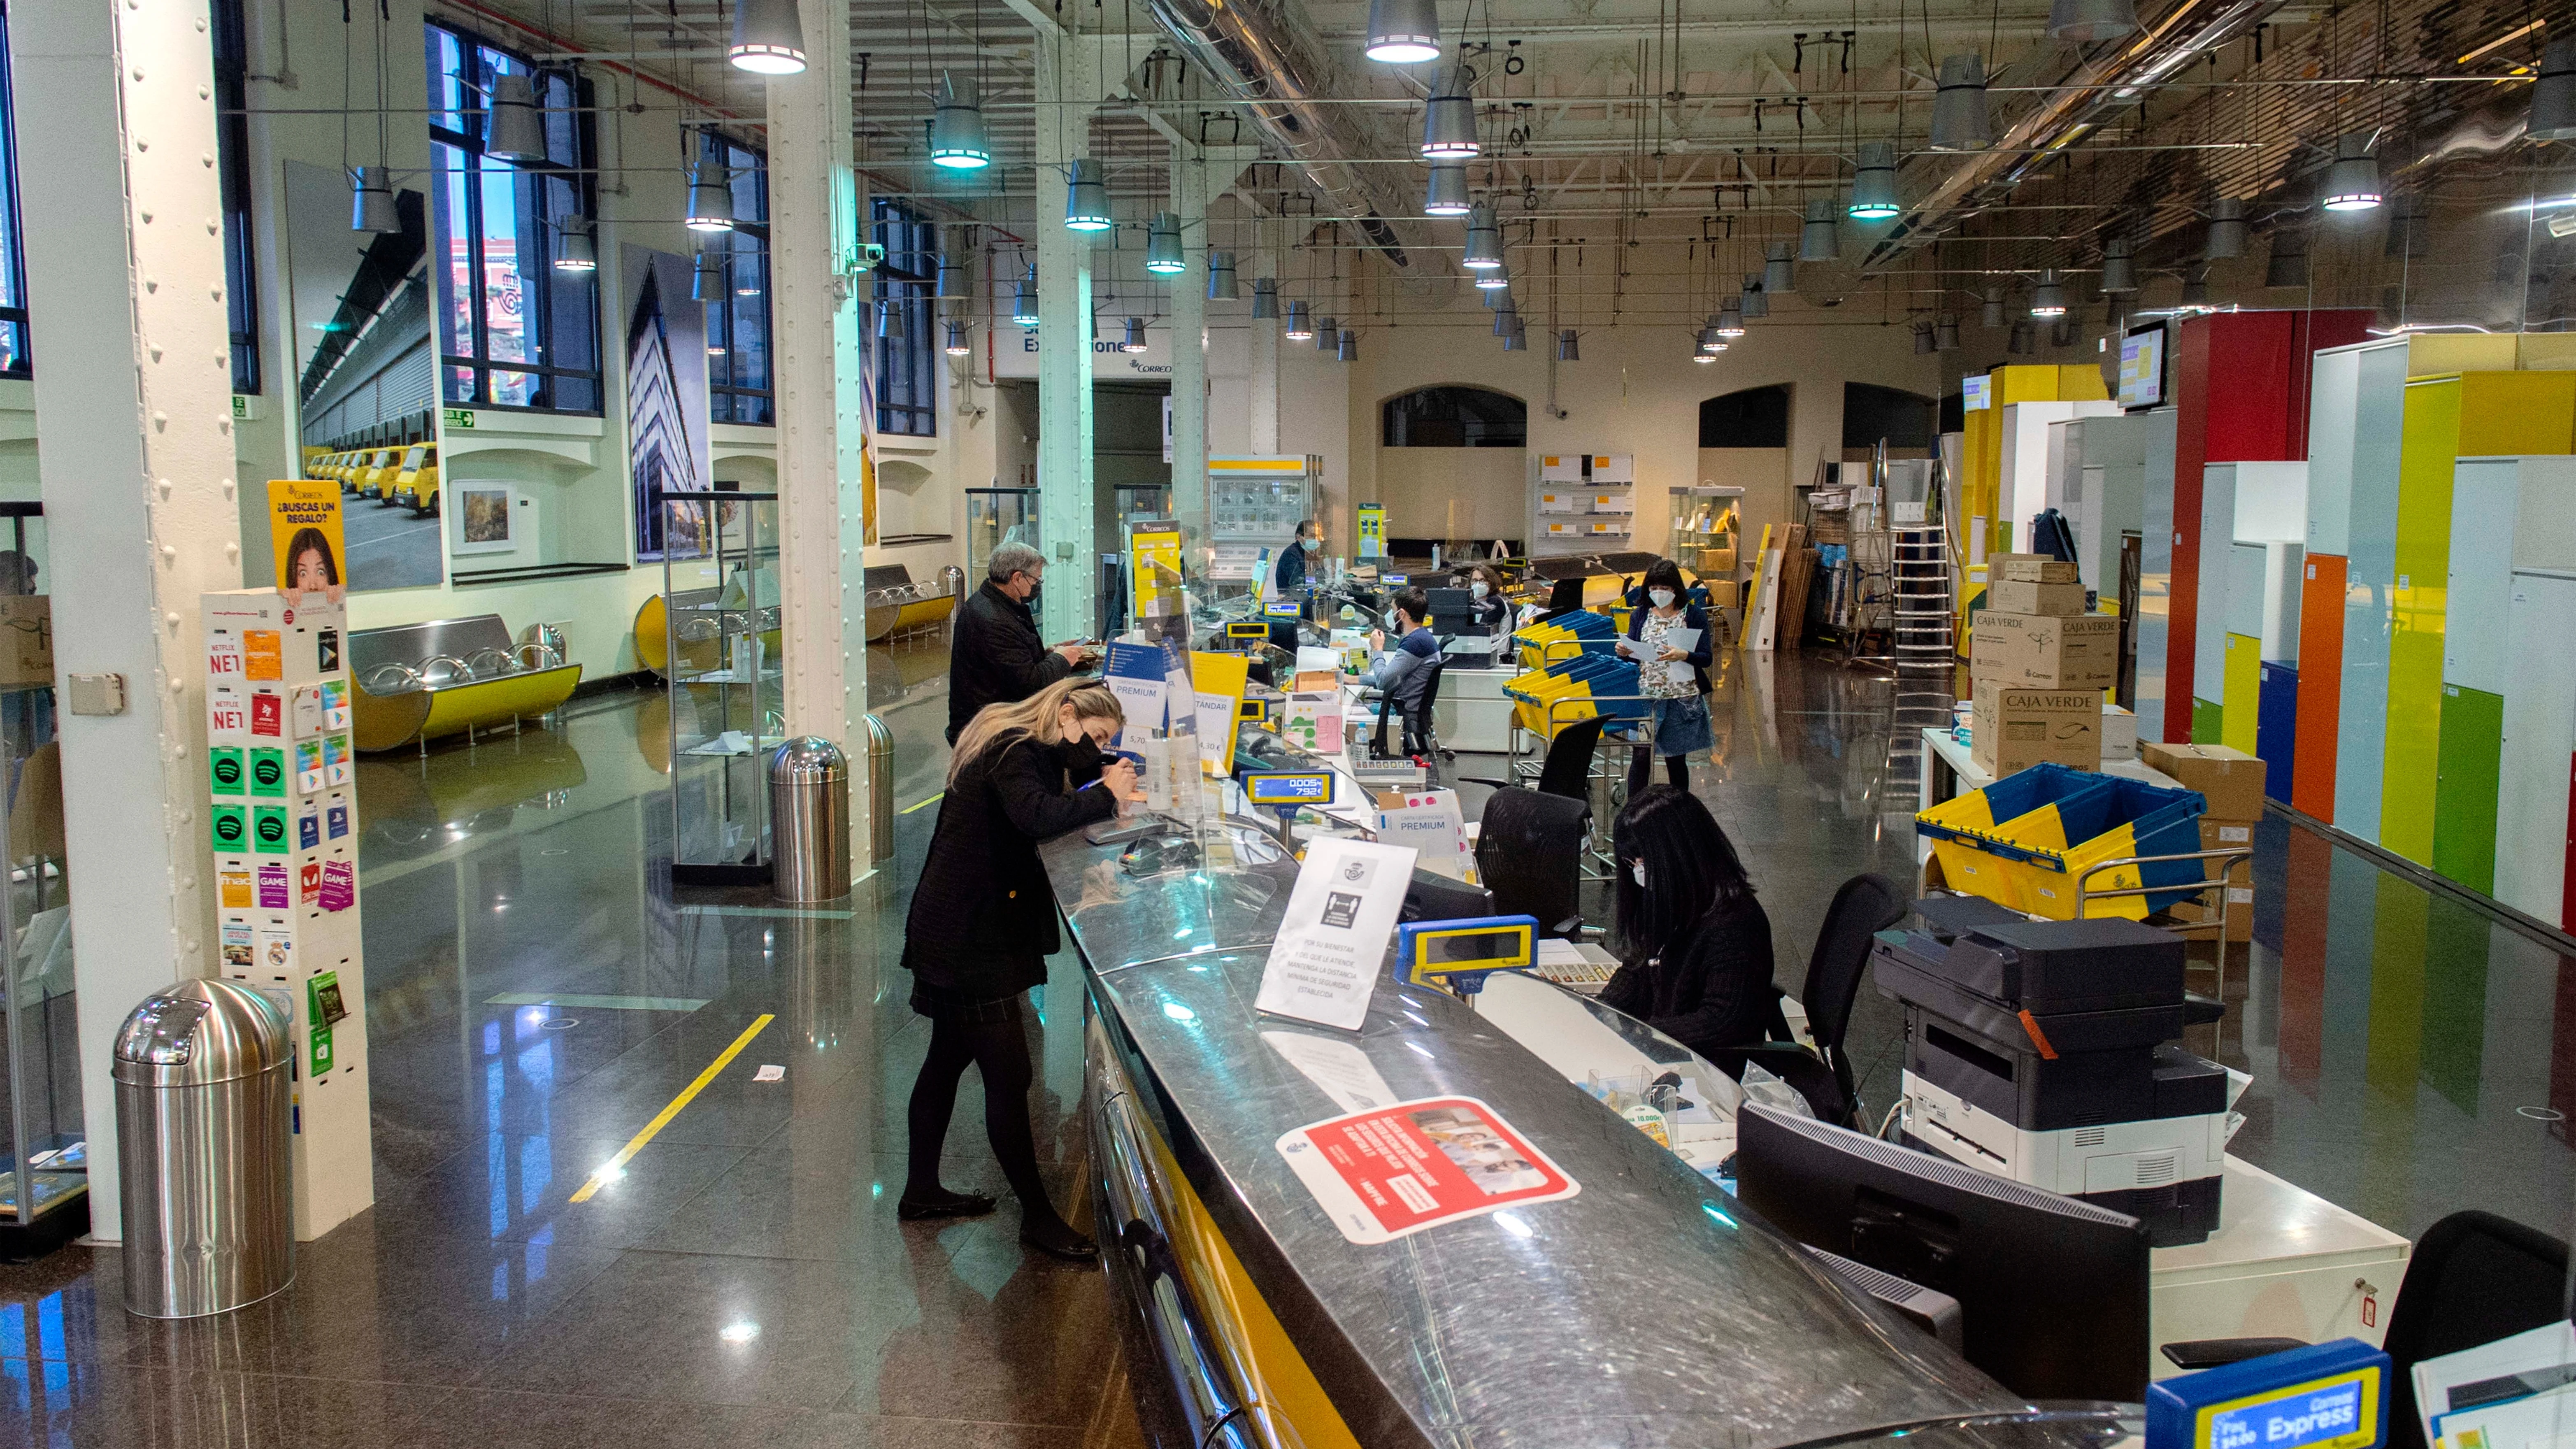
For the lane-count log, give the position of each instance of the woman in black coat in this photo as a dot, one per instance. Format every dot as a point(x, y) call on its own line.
point(1694, 943)
point(983, 923)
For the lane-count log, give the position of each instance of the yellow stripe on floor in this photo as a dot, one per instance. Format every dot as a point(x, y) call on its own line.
point(933, 800)
point(617, 1165)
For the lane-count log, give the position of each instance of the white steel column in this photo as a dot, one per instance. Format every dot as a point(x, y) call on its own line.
point(1200, 174)
point(815, 228)
point(1068, 86)
point(125, 280)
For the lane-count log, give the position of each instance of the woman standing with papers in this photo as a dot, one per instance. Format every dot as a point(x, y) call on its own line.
point(1668, 638)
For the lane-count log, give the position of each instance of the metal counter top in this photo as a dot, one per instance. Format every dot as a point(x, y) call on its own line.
point(1647, 1310)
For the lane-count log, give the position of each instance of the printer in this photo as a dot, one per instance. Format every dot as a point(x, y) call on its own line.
point(2044, 1052)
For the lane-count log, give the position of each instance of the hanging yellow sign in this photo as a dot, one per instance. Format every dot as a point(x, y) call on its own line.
point(1154, 558)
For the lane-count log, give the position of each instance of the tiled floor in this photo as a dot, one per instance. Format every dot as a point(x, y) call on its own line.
point(745, 1280)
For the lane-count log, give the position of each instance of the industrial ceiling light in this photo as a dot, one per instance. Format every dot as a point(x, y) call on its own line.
point(2020, 343)
point(2048, 299)
point(957, 139)
point(515, 130)
point(1221, 285)
point(1328, 334)
point(1961, 120)
point(1945, 334)
point(1992, 312)
point(2553, 96)
point(890, 318)
point(1705, 358)
point(1494, 279)
point(1568, 349)
point(371, 202)
point(1757, 296)
point(1300, 328)
point(1506, 317)
point(1135, 339)
point(1449, 129)
point(1923, 343)
point(2063, 332)
point(958, 345)
point(1265, 299)
point(2410, 228)
point(1518, 339)
point(1086, 197)
point(2086, 21)
point(710, 198)
point(1496, 298)
point(767, 38)
point(2352, 182)
point(2195, 294)
point(1818, 239)
point(2226, 229)
point(706, 275)
point(575, 251)
point(1873, 195)
point(2119, 268)
point(1484, 240)
point(1346, 347)
point(1447, 193)
point(951, 281)
point(1779, 267)
point(1024, 299)
point(1707, 343)
point(2288, 266)
point(1163, 245)
point(1403, 32)
point(1730, 318)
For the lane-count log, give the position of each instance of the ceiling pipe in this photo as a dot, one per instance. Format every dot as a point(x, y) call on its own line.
point(1263, 62)
point(2107, 82)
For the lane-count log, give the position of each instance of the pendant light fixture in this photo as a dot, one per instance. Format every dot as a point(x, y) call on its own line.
point(1506, 317)
point(1819, 240)
point(2063, 332)
point(958, 344)
point(706, 275)
point(371, 202)
point(575, 249)
point(2086, 21)
point(2048, 299)
point(1447, 193)
point(1961, 120)
point(1568, 347)
point(2195, 292)
point(1923, 344)
point(2352, 182)
point(1346, 347)
point(1945, 334)
point(2020, 343)
point(1135, 339)
point(1484, 240)
point(1024, 299)
point(1704, 358)
point(1729, 321)
point(1497, 299)
point(957, 139)
point(710, 197)
point(951, 281)
point(1449, 128)
point(2119, 267)
point(892, 326)
point(1494, 279)
point(2288, 264)
point(1300, 327)
point(2553, 95)
point(1707, 343)
point(1873, 196)
point(1265, 299)
point(1992, 313)
point(1518, 340)
point(2226, 229)
point(1403, 32)
point(767, 38)
point(1086, 197)
point(1757, 297)
point(1221, 285)
point(1327, 334)
point(1779, 268)
point(1163, 245)
point(515, 128)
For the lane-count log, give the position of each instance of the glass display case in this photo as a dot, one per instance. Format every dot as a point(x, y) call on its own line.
point(1706, 518)
point(1140, 502)
point(44, 1172)
point(996, 516)
point(1257, 508)
point(724, 680)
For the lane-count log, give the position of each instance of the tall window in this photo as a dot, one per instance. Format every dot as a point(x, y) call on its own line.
point(514, 330)
point(232, 165)
point(13, 255)
point(738, 361)
point(907, 379)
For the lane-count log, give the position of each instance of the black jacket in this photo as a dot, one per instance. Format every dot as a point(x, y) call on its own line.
point(995, 656)
point(983, 918)
point(1711, 989)
point(1290, 576)
point(1693, 617)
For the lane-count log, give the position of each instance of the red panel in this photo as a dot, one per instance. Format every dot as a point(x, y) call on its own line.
point(2312, 772)
point(2567, 894)
point(2249, 408)
point(2304, 916)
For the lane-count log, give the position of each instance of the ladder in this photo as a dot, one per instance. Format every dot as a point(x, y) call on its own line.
point(1919, 560)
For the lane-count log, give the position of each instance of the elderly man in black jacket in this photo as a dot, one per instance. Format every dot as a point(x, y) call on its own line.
point(994, 656)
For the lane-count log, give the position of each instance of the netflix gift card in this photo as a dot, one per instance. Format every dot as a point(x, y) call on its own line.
point(1397, 1170)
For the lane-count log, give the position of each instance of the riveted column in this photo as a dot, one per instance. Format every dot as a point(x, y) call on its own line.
point(1069, 86)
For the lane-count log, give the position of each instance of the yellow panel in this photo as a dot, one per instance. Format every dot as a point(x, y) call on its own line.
point(2428, 460)
point(2244, 686)
point(2540, 350)
point(2026, 382)
point(488, 702)
point(2436, 352)
point(2081, 383)
point(2509, 414)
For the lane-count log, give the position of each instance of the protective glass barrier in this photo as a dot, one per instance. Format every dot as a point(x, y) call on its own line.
point(724, 679)
point(44, 1169)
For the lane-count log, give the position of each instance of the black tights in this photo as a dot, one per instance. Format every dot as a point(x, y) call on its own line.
point(999, 1050)
point(1676, 769)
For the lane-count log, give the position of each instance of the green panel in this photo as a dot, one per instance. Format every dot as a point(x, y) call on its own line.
point(2428, 463)
point(2455, 999)
point(2464, 817)
point(2396, 1030)
point(2206, 719)
point(2244, 692)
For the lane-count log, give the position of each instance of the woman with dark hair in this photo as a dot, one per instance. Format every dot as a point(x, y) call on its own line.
point(1674, 698)
point(1485, 602)
point(1694, 944)
point(310, 569)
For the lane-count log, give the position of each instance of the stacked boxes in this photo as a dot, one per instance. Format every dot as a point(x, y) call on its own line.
point(2039, 665)
point(280, 778)
point(2232, 782)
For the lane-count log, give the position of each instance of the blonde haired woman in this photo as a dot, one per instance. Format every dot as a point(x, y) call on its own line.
point(983, 923)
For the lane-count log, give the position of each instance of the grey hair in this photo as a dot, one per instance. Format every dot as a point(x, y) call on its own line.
point(1014, 558)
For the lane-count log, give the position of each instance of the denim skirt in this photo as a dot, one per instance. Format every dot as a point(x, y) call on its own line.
point(1681, 726)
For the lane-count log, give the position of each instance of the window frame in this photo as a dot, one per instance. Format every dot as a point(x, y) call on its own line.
point(232, 169)
point(916, 356)
point(730, 398)
point(18, 363)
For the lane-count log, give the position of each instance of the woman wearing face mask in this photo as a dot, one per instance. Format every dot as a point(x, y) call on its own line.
point(1486, 604)
point(1694, 943)
point(983, 923)
point(1680, 713)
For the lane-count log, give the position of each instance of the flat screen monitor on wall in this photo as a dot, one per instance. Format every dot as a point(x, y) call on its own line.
point(2142, 366)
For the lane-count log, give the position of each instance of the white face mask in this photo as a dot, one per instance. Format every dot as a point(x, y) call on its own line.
point(1476, 590)
point(1663, 597)
point(1637, 868)
point(1310, 544)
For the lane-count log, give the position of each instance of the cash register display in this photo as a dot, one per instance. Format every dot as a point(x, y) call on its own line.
point(1465, 950)
point(1432, 951)
point(1255, 630)
point(2337, 1412)
point(1308, 787)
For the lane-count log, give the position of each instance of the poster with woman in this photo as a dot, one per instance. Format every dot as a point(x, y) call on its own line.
point(305, 538)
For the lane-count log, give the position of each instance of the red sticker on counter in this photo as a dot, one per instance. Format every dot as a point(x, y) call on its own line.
point(1385, 1173)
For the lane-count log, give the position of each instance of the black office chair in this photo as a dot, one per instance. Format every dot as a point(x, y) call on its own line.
point(1568, 769)
point(1865, 906)
point(2473, 1278)
point(1529, 852)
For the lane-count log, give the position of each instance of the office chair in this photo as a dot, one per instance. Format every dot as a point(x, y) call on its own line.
point(1529, 851)
point(1414, 730)
point(1568, 768)
point(1865, 906)
point(2473, 1278)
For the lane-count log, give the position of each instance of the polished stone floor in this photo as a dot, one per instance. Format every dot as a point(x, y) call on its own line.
point(536, 997)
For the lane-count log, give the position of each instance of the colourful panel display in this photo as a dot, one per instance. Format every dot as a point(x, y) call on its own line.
point(2464, 808)
point(2276, 737)
point(2377, 426)
point(2208, 722)
point(2312, 782)
point(2243, 708)
point(2410, 761)
point(2533, 800)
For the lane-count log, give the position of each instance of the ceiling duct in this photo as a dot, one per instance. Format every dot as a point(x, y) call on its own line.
point(1261, 61)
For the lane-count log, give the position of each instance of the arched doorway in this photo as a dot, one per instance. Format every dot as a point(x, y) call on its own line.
point(1452, 466)
point(1744, 441)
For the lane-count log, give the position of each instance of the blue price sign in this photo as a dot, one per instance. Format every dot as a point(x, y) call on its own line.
point(1289, 787)
point(2325, 1396)
point(1280, 611)
point(2330, 1414)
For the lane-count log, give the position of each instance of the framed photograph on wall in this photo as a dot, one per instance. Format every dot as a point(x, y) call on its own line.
point(486, 516)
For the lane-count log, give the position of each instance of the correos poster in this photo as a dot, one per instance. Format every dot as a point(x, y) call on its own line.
point(305, 538)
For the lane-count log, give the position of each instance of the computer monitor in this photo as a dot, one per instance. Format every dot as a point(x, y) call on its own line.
point(2052, 1292)
point(1565, 595)
point(1453, 611)
point(1434, 897)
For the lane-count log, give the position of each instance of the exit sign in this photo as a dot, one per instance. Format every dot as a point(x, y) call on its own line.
point(458, 417)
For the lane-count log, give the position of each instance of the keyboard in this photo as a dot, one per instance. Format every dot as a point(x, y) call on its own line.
point(1584, 976)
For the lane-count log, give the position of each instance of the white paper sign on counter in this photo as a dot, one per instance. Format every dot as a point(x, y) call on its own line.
point(1331, 944)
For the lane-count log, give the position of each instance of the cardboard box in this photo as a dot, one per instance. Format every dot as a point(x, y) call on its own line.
point(2028, 568)
point(2226, 835)
point(2119, 733)
point(2240, 915)
point(1716, 561)
point(26, 639)
point(2230, 780)
point(2056, 600)
point(2012, 729)
point(2044, 651)
point(1722, 592)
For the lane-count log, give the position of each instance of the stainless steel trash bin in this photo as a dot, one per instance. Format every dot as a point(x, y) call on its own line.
point(809, 821)
point(880, 792)
point(202, 1150)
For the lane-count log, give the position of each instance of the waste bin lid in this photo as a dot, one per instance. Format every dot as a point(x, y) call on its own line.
point(808, 757)
point(200, 1032)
